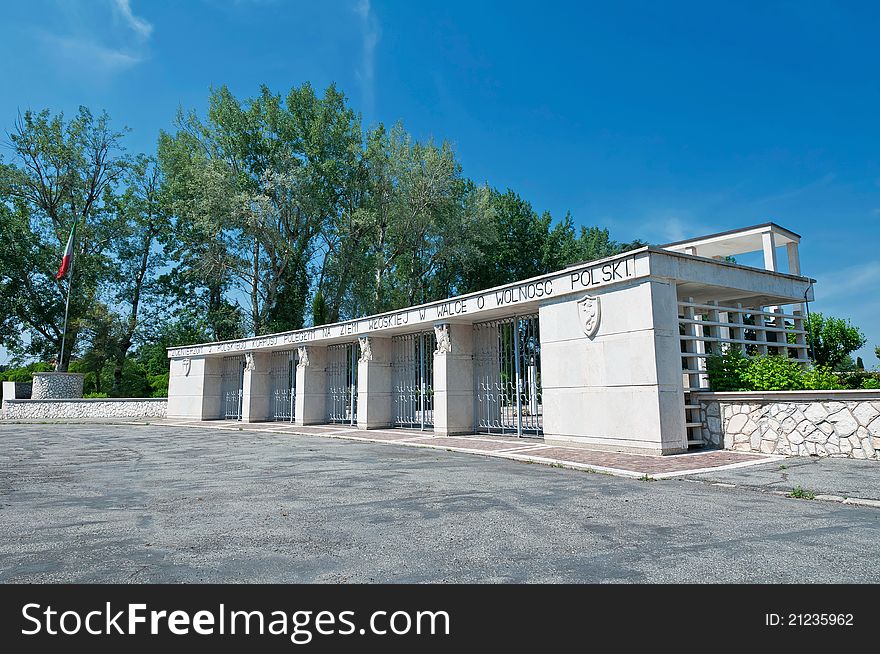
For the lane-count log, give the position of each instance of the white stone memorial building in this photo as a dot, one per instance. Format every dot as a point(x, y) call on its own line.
point(603, 354)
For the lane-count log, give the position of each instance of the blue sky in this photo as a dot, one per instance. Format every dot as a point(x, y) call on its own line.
point(658, 120)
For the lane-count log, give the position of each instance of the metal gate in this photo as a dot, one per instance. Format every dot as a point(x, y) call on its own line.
point(342, 361)
point(282, 366)
point(412, 369)
point(507, 368)
point(232, 386)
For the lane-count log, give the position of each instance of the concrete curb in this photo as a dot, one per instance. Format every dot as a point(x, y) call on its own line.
point(820, 497)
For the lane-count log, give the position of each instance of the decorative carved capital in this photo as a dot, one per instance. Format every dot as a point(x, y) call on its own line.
point(444, 346)
point(303, 356)
point(249, 363)
point(366, 350)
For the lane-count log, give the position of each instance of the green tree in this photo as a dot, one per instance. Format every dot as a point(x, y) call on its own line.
point(833, 340)
point(152, 357)
point(63, 172)
point(199, 191)
point(140, 223)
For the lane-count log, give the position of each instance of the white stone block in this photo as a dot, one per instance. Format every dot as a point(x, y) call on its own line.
point(864, 413)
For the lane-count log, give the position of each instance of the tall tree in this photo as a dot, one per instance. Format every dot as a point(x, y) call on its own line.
point(141, 221)
point(63, 172)
point(200, 191)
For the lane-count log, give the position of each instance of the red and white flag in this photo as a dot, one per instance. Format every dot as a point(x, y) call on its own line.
point(68, 255)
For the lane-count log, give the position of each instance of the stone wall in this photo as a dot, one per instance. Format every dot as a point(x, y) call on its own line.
point(97, 408)
point(57, 385)
point(805, 423)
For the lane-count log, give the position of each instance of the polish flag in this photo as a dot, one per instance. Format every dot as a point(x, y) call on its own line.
point(68, 255)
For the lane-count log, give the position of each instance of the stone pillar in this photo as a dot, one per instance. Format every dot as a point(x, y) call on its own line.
point(374, 383)
point(454, 380)
point(311, 386)
point(616, 384)
point(794, 258)
point(57, 385)
point(194, 388)
point(769, 243)
point(257, 388)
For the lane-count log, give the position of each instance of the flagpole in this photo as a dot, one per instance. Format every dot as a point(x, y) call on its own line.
point(66, 310)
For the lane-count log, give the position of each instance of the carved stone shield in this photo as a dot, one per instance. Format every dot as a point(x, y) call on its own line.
point(590, 314)
point(186, 364)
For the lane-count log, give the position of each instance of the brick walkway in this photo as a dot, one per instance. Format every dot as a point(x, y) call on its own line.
point(519, 449)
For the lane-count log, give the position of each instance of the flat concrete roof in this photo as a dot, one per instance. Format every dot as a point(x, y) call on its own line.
point(735, 241)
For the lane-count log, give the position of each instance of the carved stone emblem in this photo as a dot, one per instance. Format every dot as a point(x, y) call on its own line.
point(590, 314)
point(249, 361)
point(303, 356)
point(366, 352)
point(443, 344)
point(186, 364)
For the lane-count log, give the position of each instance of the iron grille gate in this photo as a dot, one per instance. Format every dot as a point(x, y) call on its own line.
point(412, 368)
point(283, 370)
point(342, 382)
point(232, 385)
point(507, 368)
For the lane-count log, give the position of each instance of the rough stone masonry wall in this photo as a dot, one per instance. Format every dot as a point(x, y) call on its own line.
point(48, 385)
point(797, 426)
point(98, 408)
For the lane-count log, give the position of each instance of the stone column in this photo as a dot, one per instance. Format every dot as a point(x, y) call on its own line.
point(615, 385)
point(454, 380)
point(374, 383)
point(257, 388)
point(769, 243)
point(311, 386)
point(794, 259)
point(194, 388)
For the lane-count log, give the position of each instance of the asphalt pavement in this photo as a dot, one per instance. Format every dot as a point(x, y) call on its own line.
point(156, 503)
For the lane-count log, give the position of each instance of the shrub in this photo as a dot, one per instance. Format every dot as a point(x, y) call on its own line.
point(26, 373)
point(94, 395)
point(858, 379)
point(870, 383)
point(773, 373)
point(820, 378)
point(726, 370)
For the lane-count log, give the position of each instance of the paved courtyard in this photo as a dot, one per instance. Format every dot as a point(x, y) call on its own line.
point(510, 447)
point(166, 503)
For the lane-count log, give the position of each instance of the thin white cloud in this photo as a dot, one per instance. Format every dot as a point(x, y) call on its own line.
point(861, 279)
point(137, 24)
point(816, 184)
point(671, 226)
point(77, 51)
point(366, 70)
point(101, 38)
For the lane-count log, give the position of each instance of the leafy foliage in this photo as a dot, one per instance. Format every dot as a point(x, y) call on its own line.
point(24, 373)
point(772, 373)
point(726, 371)
point(820, 378)
point(733, 371)
point(833, 340)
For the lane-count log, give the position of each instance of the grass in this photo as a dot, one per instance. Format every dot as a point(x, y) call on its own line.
point(645, 477)
point(783, 467)
point(802, 494)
